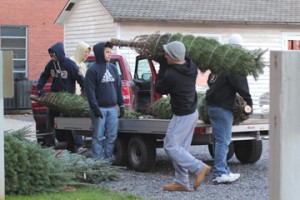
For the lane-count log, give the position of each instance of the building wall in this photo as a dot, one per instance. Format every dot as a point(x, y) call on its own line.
point(101, 26)
point(39, 17)
point(89, 22)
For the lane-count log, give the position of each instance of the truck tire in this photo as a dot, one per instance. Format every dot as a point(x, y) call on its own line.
point(248, 151)
point(142, 153)
point(229, 154)
point(40, 130)
point(120, 151)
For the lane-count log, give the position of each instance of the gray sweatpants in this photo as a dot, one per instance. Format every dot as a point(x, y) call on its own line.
point(177, 143)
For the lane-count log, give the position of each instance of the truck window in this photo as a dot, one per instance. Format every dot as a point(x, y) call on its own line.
point(143, 71)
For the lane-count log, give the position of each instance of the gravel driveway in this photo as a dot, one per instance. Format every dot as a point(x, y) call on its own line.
point(253, 183)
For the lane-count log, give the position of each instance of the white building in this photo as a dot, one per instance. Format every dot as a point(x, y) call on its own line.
point(273, 25)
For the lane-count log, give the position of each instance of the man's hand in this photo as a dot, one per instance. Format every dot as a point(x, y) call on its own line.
point(98, 113)
point(40, 92)
point(122, 112)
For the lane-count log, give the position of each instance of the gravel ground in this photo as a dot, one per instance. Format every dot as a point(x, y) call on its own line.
point(253, 183)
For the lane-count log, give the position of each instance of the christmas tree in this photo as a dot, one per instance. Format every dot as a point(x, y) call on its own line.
point(30, 169)
point(208, 54)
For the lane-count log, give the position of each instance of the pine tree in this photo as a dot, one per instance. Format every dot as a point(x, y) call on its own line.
point(208, 54)
point(30, 169)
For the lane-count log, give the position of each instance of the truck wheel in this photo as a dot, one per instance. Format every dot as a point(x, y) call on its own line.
point(40, 130)
point(229, 154)
point(248, 151)
point(142, 153)
point(120, 151)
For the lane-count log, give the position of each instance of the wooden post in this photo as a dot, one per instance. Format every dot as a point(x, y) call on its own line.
point(2, 179)
point(284, 162)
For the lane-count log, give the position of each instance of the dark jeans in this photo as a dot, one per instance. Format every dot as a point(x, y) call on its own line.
point(60, 135)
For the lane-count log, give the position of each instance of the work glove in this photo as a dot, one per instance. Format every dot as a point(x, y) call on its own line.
point(40, 92)
point(98, 113)
point(122, 112)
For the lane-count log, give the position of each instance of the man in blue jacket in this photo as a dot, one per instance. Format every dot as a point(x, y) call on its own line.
point(64, 73)
point(177, 78)
point(104, 92)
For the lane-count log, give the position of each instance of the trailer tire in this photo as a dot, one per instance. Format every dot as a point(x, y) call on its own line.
point(120, 151)
point(142, 153)
point(229, 154)
point(248, 151)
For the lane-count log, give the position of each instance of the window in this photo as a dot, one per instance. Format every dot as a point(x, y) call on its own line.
point(14, 38)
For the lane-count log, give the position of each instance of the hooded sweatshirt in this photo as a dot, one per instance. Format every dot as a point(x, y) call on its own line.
point(79, 59)
point(223, 88)
point(64, 72)
point(102, 82)
point(179, 81)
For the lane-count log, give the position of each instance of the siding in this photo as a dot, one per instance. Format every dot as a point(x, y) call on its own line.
point(88, 22)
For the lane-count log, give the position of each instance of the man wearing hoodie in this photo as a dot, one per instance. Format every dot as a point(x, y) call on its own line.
point(104, 92)
point(219, 101)
point(81, 54)
point(64, 72)
point(177, 78)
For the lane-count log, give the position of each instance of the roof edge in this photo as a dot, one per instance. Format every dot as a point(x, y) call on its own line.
point(206, 22)
point(65, 12)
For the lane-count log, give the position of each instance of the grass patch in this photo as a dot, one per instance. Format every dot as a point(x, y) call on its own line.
point(81, 193)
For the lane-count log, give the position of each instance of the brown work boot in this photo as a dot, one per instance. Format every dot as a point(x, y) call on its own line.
point(201, 175)
point(176, 187)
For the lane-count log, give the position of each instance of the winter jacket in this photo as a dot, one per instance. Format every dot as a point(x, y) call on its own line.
point(223, 88)
point(79, 59)
point(102, 82)
point(179, 81)
point(64, 72)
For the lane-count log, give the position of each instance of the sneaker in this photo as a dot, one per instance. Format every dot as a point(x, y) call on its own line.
point(226, 178)
point(82, 150)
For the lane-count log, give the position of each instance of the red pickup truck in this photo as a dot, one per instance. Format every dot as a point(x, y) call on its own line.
point(138, 92)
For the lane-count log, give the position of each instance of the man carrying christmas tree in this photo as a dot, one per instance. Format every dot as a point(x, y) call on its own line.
point(104, 93)
point(64, 73)
point(177, 77)
point(220, 99)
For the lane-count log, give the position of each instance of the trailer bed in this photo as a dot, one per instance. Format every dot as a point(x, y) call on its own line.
point(154, 126)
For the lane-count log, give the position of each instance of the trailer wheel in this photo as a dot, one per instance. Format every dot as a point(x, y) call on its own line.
point(229, 154)
point(142, 153)
point(120, 151)
point(248, 151)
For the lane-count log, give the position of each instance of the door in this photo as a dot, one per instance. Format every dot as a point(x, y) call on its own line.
point(144, 79)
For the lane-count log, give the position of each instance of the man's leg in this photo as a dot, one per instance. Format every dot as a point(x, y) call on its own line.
point(111, 132)
point(98, 134)
point(221, 121)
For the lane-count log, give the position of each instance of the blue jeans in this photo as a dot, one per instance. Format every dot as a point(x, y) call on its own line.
point(221, 120)
point(104, 133)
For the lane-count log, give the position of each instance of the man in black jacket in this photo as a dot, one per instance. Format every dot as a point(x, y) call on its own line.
point(219, 100)
point(64, 72)
point(177, 78)
point(104, 94)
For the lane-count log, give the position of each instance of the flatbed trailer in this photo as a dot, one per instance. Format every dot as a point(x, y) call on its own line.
point(138, 139)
